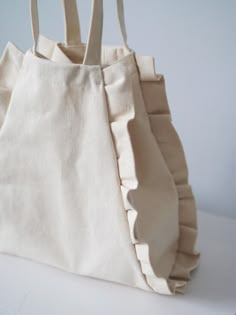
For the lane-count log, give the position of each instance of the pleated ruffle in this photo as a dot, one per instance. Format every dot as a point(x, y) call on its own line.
point(160, 264)
point(154, 92)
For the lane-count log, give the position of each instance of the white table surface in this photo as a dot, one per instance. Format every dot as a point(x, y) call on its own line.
point(28, 288)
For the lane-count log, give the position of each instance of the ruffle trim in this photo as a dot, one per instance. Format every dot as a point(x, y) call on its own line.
point(186, 258)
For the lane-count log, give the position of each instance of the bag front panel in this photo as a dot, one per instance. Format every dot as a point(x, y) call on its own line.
point(60, 200)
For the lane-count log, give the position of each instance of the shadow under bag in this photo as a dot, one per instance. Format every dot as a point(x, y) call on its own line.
point(93, 177)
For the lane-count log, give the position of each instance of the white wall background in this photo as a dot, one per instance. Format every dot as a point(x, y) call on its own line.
point(194, 43)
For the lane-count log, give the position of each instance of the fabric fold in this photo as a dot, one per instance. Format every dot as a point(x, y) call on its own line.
point(10, 64)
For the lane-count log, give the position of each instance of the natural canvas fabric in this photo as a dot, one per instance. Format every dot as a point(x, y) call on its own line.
point(93, 175)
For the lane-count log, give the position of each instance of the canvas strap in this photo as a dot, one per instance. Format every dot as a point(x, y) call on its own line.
point(74, 21)
point(72, 24)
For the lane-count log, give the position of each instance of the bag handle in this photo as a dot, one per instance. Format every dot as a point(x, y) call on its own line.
point(72, 23)
point(121, 18)
point(71, 18)
point(94, 44)
point(74, 19)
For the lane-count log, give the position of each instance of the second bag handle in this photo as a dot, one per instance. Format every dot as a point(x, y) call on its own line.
point(94, 44)
point(73, 25)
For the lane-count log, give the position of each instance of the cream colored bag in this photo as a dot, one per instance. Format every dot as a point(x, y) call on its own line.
point(154, 93)
point(78, 159)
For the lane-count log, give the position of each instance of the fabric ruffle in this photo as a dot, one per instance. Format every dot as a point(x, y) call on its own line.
point(157, 257)
point(154, 92)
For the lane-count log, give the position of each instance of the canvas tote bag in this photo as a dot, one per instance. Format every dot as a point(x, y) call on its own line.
point(59, 206)
point(154, 93)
